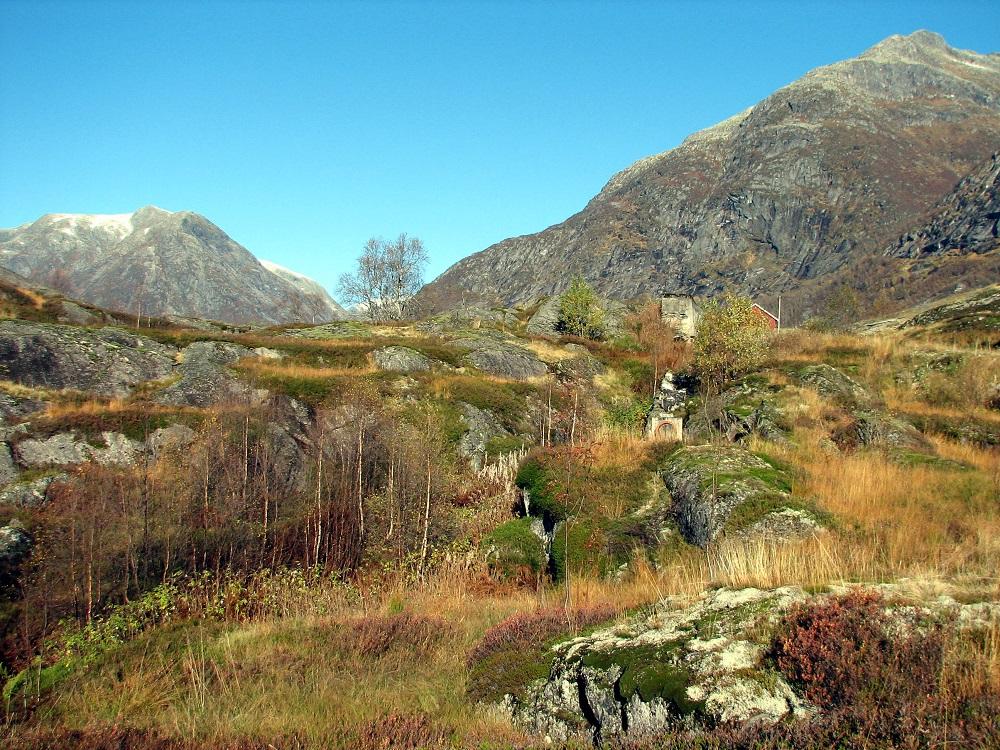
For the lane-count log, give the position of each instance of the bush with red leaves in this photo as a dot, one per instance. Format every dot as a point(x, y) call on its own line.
point(844, 651)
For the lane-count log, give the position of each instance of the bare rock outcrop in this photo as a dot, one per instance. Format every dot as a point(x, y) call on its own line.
point(105, 361)
point(205, 379)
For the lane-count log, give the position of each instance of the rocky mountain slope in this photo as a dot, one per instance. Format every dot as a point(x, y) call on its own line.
point(964, 222)
point(160, 263)
point(822, 174)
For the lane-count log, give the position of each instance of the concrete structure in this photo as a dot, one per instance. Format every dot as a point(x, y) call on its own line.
point(665, 420)
point(680, 311)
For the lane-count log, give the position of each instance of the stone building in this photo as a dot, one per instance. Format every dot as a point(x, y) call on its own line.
point(680, 311)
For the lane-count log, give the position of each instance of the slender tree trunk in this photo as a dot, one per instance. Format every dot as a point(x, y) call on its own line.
point(361, 504)
point(572, 430)
point(427, 518)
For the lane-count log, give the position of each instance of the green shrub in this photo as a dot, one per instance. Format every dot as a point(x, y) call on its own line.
point(584, 543)
point(580, 312)
point(514, 547)
point(544, 497)
point(732, 340)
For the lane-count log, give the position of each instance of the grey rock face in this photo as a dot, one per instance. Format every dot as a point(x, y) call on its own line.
point(709, 483)
point(17, 407)
point(79, 316)
point(400, 359)
point(497, 356)
point(965, 221)
point(15, 546)
point(823, 173)
point(163, 440)
point(482, 427)
point(834, 384)
point(8, 470)
point(106, 361)
point(204, 379)
point(545, 321)
point(157, 262)
point(33, 494)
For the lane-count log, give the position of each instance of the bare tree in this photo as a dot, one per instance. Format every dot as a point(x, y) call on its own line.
point(389, 273)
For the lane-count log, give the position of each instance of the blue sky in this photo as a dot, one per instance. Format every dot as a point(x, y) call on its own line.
point(303, 128)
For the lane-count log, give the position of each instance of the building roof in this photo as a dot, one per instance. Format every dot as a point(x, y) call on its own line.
point(768, 313)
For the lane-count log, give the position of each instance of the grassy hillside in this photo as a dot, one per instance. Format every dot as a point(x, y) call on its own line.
point(396, 584)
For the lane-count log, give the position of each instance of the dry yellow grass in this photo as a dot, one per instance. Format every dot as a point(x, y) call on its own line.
point(548, 352)
point(277, 368)
point(896, 519)
point(612, 445)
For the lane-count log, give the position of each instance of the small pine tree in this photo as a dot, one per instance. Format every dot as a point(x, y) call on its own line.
point(731, 340)
point(580, 312)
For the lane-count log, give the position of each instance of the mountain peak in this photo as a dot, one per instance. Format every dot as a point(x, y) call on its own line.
point(162, 263)
point(815, 177)
point(921, 46)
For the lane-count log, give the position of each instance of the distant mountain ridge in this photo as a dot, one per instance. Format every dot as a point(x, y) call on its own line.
point(820, 176)
point(158, 262)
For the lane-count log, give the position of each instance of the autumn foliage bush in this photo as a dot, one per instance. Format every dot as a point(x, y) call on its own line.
point(845, 651)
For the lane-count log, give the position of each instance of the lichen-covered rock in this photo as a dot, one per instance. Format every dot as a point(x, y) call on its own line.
point(502, 359)
point(686, 664)
point(344, 329)
point(834, 384)
point(67, 449)
point(752, 407)
point(175, 437)
point(695, 662)
point(481, 427)
point(8, 469)
point(785, 524)
point(62, 449)
point(465, 318)
point(400, 359)
point(120, 450)
point(875, 428)
point(978, 310)
point(718, 487)
point(205, 380)
point(582, 365)
point(15, 546)
point(104, 361)
point(30, 494)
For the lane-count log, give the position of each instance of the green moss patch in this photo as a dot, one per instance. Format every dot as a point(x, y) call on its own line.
point(650, 672)
point(514, 547)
